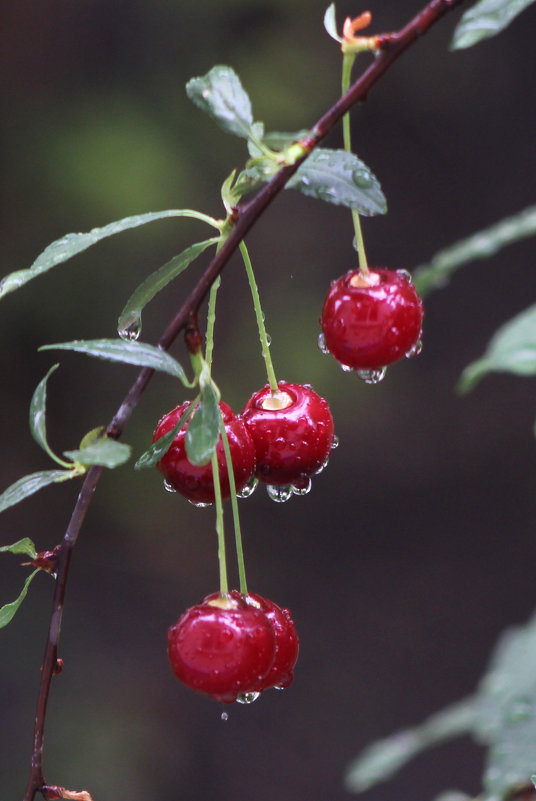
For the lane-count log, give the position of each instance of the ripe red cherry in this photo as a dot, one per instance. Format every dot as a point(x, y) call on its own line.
point(222, 647)
point(287, 643)
point(193, 481)
point(292, 431)
point(370, 321)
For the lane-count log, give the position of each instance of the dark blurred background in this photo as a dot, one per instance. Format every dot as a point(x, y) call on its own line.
point(416, 546)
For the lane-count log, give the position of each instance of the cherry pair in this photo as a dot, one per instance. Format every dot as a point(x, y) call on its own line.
point(233, 646)
point(281, 438)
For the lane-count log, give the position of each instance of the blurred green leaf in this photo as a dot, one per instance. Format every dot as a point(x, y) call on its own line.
point(104, 452)
point(7, 612)
point(71, 244)
point(130, 318)
point(486, 18)
point(159, 448)
point(32, 483)
point(221, 94)
point(481, 245)
point(341, 178)
point(202, 433)
point(25, 546)
point(511, 350)
point(139, 354)
point(38, 416)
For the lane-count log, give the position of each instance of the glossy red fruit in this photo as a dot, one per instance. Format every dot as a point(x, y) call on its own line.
point(292, 432)
point(287, 644)
point(222, 647)
point(193, 481)
point(370, 321)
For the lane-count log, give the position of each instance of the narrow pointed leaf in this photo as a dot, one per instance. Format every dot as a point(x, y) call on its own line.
point(221, 94)
point(38, 414)
point(139, 354)
point(486, 18)
point(8, 611)
point(511, 350)
point(24, 546)
point(159, 448)
point(71, 244)
point(330, 23)
point(104, 452)
point(32, 483)
point(130, 318)
point(203, 429)
point(341, 178)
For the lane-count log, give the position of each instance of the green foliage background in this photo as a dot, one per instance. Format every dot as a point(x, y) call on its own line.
point(414, 549)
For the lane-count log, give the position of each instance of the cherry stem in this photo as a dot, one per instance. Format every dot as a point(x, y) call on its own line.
point(211, 319)
point(224, 584)
point(347, 64)
point(234, 507)
point(272, 380)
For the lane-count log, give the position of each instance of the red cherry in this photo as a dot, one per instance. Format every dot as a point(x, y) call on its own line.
point(222, 647)
point(287, 643)
point(370, 321)
point(292, 431)
point(193, 481)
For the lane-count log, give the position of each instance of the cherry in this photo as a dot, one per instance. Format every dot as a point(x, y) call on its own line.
point(372, 320)
point(293, 434)
point(223, 647)
point(193, 481)
point(287, 643)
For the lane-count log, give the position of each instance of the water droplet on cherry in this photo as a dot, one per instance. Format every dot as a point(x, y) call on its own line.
point(279, 494)
point(322, 343)
point(199, 504)
point(335, 442)
point(415, 350)
point(169, 487)
point(249, 489)
point(372, 376)
point(247, 698)
point(303, 489)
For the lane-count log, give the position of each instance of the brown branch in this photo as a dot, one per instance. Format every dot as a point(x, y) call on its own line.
point(392, 45)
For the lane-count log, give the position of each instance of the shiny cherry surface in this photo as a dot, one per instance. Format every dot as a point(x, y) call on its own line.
point(369, 327)
point(287, 643)
point(292, 442)
point(193, 481)
point(222, 651)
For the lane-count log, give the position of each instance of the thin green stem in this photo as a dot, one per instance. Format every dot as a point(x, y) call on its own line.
point(272, 380)
point(347, 64)
point(211, 319)
point(234, 506)
point(224, 584)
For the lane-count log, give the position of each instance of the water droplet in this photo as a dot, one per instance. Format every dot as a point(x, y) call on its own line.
point(169, 487)
point(302, 490)
point(279, 494)
point(335, 442)
point(247, 698)
point(305, 180)
point(249, 489)
point(199, 505)
point(268, 340)
point(321, 468)
point(308, 386)
point(131, 329)
point(225, 716)
point(322, 343)
point(372, 376)
point(404, 274)
point(415, 350)
point(362, 179)
point(279, 687)
point(345, 368)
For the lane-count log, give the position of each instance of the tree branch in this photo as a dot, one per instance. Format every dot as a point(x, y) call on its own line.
point(392, 45)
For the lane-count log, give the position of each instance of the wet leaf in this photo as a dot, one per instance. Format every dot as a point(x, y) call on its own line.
point(71, 244)
point(104, 452)
point(8, 611)
point(486, 18)
point(341, 178)
point(130, 318)
point(221, 94)
point(24, 546)
point(511, 350)
point(159, 448)
point(32, 483)
point(330, 23)
point(139, 354)
point(38, 416)
point(203, 429)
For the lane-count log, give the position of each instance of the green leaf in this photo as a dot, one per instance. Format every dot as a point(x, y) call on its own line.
point(340, 178)
point(330, 23)
point(38, 416)
point(105, 452)
point(511, 350)
point(129, 323)
point(7, 612)
point(203, 429)
point(70, 245)
point(486, 18)
point(480, 245)
point(221, 94)
point(139, 354)
point(32, 483)
point(25, 546)
point(159, 448)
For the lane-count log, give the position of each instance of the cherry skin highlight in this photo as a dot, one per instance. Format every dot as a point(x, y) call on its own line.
point(370, 321)
point(193, 481)
point(287, 644)
point(292, 442)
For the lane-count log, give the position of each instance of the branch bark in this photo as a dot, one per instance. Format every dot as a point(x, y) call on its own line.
point(392, 45)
